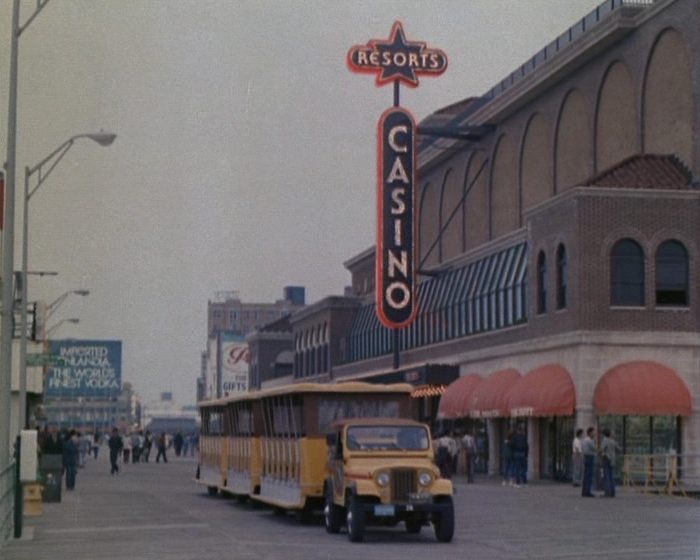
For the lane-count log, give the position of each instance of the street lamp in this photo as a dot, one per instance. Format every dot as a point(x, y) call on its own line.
point(51, 161)
point(51, 307)
point(73, 320)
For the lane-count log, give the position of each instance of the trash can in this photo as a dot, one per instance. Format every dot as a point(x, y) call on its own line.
point(51, 477)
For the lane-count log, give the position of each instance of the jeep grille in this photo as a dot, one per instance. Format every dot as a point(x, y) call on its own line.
point(403, 483)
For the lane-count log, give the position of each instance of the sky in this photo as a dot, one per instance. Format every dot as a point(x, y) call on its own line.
point(245, 151)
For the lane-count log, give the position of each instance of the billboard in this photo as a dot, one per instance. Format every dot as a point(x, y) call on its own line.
point(86, 368)
point(234, 357)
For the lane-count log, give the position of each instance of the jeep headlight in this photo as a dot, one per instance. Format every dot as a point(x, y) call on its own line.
point(383, 479)
point(425, 478)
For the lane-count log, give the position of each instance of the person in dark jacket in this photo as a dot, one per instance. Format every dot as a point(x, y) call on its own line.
point(520, 448)
point(178, 442)
point(70, 459)
point(161, 444)
point(115, 446)
point(589, 453)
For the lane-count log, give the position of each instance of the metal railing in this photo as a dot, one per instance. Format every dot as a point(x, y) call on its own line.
point(573, 33)
point(7, 498)
point(670, 473)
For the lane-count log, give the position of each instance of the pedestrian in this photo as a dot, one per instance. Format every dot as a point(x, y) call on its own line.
point(507, 452)
point(161, 444)
point(453, 446)
point(520, 448)
point(126, 448)
point(135, 447)
point(608, 449)
point(96, 442)
point(84, 447)
point(115, 446)
point(178, 441)
point(71, 454)
point(469, 446)
point(443, 458)
point(147, 444)
point(577, 458)
point(588, 449)
point(186, 442)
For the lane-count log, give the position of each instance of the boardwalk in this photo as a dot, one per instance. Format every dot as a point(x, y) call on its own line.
point(155, 512)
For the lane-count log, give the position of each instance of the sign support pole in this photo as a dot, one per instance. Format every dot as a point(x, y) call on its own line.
point(395, 338)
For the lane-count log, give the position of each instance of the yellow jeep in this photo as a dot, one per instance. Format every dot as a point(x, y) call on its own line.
point(381, 472)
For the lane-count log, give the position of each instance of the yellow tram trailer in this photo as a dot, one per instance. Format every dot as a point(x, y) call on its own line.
point(270, 445)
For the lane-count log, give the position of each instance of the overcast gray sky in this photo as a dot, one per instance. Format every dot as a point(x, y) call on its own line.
point(245, 156)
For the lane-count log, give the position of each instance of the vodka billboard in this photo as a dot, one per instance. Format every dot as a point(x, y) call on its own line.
point(85, 368)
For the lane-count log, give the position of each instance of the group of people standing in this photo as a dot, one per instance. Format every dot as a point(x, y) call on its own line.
point(515, 450)
point(135, 448)
point(585, 451)
point(448, 448)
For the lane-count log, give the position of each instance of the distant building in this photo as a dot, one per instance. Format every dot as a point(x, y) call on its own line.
point(165, 415)
point(229, 321)
point(91, 414)
point(271, 354)
point(228, 313)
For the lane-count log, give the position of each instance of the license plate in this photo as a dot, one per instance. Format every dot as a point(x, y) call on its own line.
point(384, 511)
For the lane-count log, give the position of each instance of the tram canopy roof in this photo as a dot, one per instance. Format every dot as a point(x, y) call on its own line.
point(456, 399)
point(544, 391)
point(642, 388)
point(490, 397)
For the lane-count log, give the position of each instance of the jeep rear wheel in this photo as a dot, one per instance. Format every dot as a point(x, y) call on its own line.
point(355, 520)
point(444, 522)
point(332, 514)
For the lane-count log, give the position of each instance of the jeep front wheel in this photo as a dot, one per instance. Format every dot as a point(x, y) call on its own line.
point(332, 514)
point(355, 520)
point(444, 522)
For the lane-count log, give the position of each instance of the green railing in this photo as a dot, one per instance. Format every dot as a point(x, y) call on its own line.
point(7, 498)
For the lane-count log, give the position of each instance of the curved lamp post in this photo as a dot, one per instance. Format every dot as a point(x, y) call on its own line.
point(42, 170)
point(73, 320)
point(53, 306)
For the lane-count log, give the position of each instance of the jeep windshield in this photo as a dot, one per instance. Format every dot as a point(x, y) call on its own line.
point(404, 438)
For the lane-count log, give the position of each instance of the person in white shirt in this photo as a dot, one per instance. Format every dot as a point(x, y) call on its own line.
point(577, 458)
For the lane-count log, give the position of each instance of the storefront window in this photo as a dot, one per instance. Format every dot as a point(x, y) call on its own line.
point(556, 436)
point(643, 435)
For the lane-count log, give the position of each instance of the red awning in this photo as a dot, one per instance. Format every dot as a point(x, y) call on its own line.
point(454, 402)
point(490, 398)
point(642, 388)
point(545, 391)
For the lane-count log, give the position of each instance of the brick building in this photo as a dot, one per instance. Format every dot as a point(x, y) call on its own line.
point(559, 227)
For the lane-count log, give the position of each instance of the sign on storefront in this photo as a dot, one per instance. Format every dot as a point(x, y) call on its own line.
point(396, 60)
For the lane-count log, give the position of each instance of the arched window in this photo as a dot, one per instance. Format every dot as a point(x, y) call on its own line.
point(541, 283)
point(562, 277)
point(627, 274)
point(672, 274)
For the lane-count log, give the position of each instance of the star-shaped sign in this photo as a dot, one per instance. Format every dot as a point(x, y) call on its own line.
point(397, 59)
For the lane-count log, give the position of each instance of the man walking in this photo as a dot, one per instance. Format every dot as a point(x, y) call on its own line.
point(577, 457)
point(71, 453)
point(161, 444)
point(520, 449)
point(469, 446)
point(589, 452)
point(608, 448)
point(115, 446)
